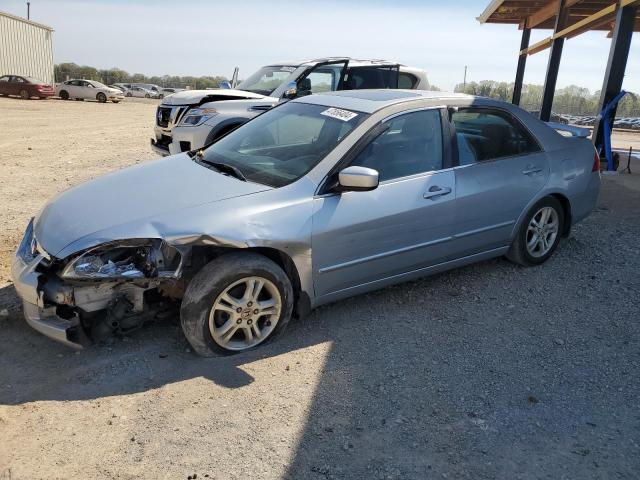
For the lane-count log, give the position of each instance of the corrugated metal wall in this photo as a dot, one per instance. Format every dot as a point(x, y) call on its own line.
point(25, 48)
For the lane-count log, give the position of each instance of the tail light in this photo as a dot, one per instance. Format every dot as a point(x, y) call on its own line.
point(596, 163)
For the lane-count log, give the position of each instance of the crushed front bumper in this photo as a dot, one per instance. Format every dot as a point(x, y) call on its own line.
point(38, 315)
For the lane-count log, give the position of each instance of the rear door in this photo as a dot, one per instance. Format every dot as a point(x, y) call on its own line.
point(401, 226)
point(73, 88)
point(502, 168)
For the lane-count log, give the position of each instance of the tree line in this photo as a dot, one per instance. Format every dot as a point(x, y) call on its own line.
point(67, 71)
point(571, 100)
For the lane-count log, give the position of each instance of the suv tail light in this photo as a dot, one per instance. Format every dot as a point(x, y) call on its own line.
point(596, 163)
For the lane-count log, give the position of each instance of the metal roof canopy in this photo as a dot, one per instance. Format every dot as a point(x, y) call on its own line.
point(567, 19)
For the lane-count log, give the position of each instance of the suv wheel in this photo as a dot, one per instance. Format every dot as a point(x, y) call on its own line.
point(539, 233)
point(235, 303)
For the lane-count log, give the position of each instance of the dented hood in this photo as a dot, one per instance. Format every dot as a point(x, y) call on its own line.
point(191, 97)
point(133, 194)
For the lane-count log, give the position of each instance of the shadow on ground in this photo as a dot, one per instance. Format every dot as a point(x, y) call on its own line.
point(491, 371)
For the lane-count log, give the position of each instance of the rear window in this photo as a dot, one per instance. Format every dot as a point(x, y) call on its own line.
point(372, 77)
point(485, 134)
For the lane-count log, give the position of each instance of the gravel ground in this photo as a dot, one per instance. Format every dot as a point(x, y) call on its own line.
point(490, 371)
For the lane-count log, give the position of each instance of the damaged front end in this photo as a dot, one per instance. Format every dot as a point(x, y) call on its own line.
point(112, 288)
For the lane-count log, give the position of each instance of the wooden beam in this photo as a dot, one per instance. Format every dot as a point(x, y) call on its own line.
point(593, 21)
point(547, 12)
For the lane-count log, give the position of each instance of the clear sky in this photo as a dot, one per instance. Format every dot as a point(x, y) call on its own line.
point(198, 37)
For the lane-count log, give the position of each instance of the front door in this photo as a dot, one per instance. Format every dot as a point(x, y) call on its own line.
point(403, 225)
point(502, 169)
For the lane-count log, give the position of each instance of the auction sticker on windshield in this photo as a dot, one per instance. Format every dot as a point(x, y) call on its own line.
point(339, 114)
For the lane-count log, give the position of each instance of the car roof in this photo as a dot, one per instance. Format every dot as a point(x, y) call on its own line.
point(352, 62)
point(369, 101)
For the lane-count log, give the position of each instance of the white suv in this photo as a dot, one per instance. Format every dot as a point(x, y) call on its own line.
point(191, 119)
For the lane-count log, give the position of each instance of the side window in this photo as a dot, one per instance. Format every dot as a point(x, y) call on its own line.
point(406, 81)
point(321, 81)
point(486, 134)
point(4, 79)
point(372, 77)
point(412, 144)
point(18, 79)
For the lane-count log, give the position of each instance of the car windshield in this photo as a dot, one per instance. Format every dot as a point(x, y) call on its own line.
point(283, 144)
point(267, 79)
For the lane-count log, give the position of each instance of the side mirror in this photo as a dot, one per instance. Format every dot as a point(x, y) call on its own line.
point(291, 91)
point(225, 85)
point(357, 179)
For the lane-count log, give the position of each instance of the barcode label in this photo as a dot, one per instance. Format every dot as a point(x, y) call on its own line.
point(339, 114)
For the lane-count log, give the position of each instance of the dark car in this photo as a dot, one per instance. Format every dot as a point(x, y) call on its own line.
point(25, 87)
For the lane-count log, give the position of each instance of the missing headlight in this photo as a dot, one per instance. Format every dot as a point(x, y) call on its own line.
point(127, 260)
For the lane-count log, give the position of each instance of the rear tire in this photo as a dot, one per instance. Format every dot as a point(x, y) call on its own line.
point(64, 95)
point(24, 95)
point(252, 320)
point(539, 233)
point(101, 97)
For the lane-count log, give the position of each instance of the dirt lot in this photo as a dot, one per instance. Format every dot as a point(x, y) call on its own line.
point(490, 371)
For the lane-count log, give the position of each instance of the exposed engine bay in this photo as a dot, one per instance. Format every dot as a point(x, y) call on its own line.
point(113, 288)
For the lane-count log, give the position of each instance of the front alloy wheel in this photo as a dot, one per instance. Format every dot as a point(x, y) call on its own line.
point(245, 313)
point(234, 303)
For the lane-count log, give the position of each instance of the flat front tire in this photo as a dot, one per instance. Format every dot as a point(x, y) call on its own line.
point(235, 303)
point(539, 233)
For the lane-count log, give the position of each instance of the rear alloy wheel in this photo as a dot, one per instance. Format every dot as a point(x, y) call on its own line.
point(101, 97)
point(64, 95)
point(235, 303)
point(24, 95)
point(539, 234)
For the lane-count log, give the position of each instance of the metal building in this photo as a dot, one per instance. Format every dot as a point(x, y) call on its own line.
point(26, 48)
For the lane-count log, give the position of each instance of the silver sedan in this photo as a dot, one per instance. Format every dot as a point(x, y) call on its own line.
point(318, 199)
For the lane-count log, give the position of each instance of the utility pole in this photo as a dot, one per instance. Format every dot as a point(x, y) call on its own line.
point(464, 83)
point(28, 10)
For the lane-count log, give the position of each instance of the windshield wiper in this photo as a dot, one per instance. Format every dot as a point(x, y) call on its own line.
point(223, 167)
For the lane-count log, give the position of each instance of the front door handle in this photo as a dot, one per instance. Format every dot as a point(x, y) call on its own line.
point(436, 191)
point(531, 169)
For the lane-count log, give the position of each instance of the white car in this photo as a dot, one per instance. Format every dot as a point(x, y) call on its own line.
point(88, 89)
point(142, 92)
point(193, 119)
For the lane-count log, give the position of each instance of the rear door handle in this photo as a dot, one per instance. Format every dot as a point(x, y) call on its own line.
point(531, 169)
point(437, 191)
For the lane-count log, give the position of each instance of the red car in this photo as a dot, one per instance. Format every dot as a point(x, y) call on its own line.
point(25, 87)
